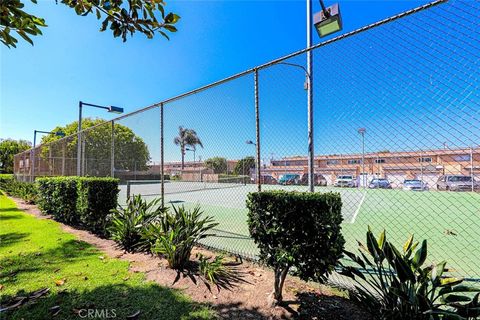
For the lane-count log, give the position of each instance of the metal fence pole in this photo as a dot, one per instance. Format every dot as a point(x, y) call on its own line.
point(162, 151)
point(112, 152)
point(32, 156)
point(79, 139)
point(63, 157)
point(24, 165)
point(257, 126)
point(471, 169)
point(311, 157)
point(83, 160)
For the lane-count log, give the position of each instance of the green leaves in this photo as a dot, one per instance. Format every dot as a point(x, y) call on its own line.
point(128, 225)
point(410, 291)
point(13, 18)
point(8, 149)
point(123, 18)
point(420, 255)
point(297, 229)
point(129, 17)
point(177, 233)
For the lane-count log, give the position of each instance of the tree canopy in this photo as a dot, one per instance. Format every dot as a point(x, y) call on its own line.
point(244, 165)
point(131, 152)
point(217, 164)
point(186, 138)
point(9, 148)
point(122, 17)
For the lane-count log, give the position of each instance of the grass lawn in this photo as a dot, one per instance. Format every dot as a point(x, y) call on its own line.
point(37, 254)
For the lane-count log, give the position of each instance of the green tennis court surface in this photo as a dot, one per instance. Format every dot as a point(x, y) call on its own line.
point(450, 221)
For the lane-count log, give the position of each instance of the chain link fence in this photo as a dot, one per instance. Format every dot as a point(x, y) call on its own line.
point(396, 133)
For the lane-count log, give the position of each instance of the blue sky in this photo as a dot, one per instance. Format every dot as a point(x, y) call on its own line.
point(42, 84)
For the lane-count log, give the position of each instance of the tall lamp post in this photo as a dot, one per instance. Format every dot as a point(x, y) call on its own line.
point(257, 166)
point(362, 132)
point(194, 158)
point(110, 109)
point(193, 150)
point(326, 22)
point(56, 133)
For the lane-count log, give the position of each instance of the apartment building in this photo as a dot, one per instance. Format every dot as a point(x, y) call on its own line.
point(427, 165)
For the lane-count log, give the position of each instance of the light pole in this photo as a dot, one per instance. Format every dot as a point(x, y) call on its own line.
point(56, 133)
point(193, 150)
point(326, 22)
point(256, 166)
point(110, 109)
point(362, 132)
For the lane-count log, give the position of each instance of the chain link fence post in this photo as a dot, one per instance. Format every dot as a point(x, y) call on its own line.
point(112, 151)
point(257, 138)
point(162, 154)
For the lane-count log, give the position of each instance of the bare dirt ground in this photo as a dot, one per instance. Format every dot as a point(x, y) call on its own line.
point(245, 298)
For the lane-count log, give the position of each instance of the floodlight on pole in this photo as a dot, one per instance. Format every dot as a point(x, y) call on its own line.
point(328, 20)
point(81, 104)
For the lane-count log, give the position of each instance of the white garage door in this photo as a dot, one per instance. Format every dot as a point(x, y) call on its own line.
point(430, 179)
point(396, 179)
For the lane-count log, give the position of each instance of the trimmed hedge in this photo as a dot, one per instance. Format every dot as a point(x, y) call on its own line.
point(80, 201)
point(58, 196)
point(25, 190)
point(96, 197)
point(298, 230)
point(6, 182)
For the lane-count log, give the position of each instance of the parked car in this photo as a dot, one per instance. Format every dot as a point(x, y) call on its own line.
point(457, 183)
point(289, 178)
point(319, 180)
point(379, 184)
point(346, 181)
point(415, 185)
point(264, 179)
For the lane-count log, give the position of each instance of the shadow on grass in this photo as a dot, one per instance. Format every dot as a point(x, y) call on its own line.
point(8, 239)
point(112, 301)
point(11, 211)
point(26, 264)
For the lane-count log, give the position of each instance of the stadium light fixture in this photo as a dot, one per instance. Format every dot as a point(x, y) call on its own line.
point(81, 104)
point(328, 20)
point(116, 110)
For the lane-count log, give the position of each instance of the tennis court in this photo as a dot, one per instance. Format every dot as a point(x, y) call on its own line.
point(447, 220)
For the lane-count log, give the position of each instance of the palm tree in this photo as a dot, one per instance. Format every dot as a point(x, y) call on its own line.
point(186, 138)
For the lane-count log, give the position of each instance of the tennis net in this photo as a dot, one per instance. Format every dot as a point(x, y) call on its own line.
point(153, 187)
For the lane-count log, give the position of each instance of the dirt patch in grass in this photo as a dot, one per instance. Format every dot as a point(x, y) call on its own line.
point(243, 298)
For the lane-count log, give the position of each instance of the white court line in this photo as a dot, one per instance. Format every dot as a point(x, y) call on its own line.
point(359, 207)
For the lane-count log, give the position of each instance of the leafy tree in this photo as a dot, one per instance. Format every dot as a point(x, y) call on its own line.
point(131, 152)
point(122, 17)
point(186, 138)
point(298, 232)
point(217, 164)
point(9, 148)
point(244, 165)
